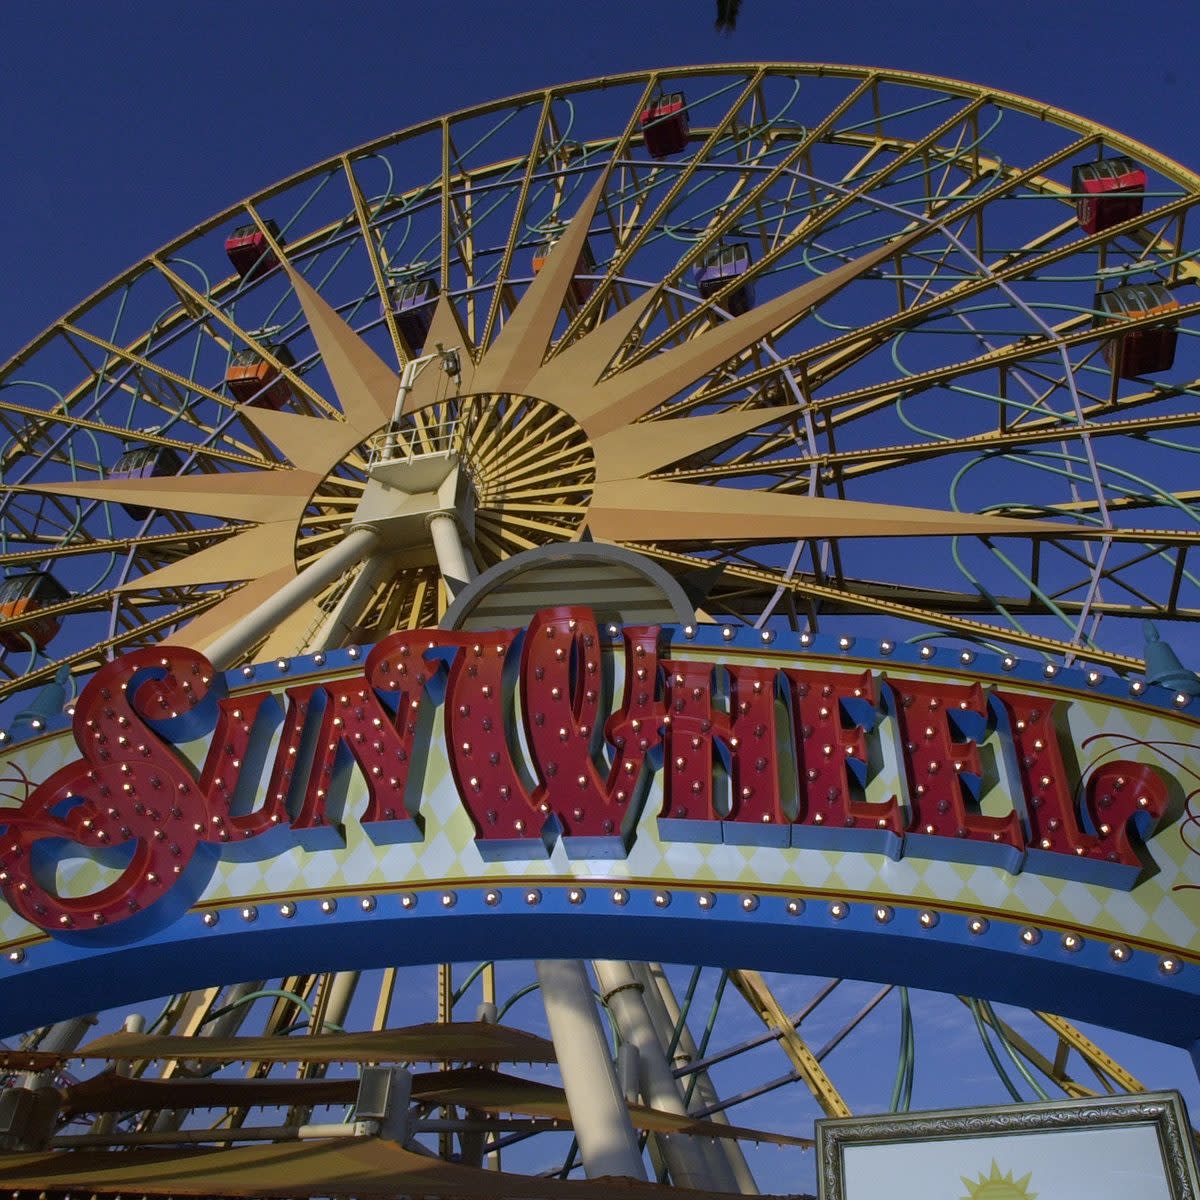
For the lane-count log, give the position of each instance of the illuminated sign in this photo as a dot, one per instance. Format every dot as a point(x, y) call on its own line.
point(712, 746)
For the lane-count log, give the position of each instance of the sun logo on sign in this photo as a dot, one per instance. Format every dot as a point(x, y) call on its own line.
point(995, 1186)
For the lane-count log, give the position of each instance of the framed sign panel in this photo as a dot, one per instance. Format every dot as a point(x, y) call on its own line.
point(1115, 1148)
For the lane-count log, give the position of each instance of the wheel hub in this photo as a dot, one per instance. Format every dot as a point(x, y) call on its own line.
point(515, 471)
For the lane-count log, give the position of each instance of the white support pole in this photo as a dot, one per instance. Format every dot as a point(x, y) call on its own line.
point(341, 992)
point(627, 1072)
point(107, 1122)
point(354, 547)
point(606, 1139)
point(730, 1171)
point(408, 376)
point(346, 613)
point(32, 1104)
point(333, 1009)
point(623, 994)
point(487, 1014)
point(447, 545)
point(236, 1012)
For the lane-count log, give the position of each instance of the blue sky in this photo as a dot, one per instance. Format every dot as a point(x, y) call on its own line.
point(126, 123)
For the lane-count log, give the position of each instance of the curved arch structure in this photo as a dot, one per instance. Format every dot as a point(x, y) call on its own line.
point(1088, 984)
point(641, 591)
point(1067, 927)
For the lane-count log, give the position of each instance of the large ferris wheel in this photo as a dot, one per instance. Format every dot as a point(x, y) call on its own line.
point(835, 349)
point(876, 289)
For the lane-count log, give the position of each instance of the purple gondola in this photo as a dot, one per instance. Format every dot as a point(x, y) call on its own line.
point(721, 267)
point(412, 303)
point(145, 462)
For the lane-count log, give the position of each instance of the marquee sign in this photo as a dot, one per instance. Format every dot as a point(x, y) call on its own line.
point(724, 768)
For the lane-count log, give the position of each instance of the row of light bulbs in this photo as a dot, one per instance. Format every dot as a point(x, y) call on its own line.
point(966, 657)
point(838, 910)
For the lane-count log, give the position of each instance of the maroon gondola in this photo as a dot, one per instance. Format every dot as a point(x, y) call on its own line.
point(250, 251)
point(1107, 192)
point(665, 125)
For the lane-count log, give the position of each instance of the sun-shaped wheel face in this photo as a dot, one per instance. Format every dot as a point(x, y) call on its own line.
point(895, 353)
point(993, 1185)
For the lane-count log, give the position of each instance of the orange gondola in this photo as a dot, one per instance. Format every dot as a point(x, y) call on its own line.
point(253, 380)
point(1145, 350)
point(581, 288)
point(27, 593)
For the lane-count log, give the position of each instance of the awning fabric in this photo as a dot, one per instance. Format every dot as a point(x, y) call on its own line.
point(366, 1167)
point(30, 1060)
point(109, 1092)
point(471, 1087)
point(491, 1091)
point(458, 1041)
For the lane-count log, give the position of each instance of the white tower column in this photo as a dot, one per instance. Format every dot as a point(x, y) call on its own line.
point(623, 995)
point(349, 609)
point(60, 1039)
point(448, 546)
point(354, 547)
point(607, 1142)
point(727, 1163)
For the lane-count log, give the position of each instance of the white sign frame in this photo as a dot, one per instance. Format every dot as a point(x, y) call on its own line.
point(1110, 1148)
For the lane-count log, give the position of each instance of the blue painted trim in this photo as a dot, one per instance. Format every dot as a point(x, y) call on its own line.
point(53, 979)
point(867, 654)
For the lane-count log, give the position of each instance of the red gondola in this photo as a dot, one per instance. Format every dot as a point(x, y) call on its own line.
point(253, 380)
point(1140, 351)
point(1107, 192)
point(250, 251)
point(24, 594)
point(665, 125)
point(581, 288)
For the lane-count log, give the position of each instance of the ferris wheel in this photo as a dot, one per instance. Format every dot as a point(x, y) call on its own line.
point(835, 349)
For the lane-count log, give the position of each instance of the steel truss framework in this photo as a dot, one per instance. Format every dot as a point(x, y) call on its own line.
point(925, 332)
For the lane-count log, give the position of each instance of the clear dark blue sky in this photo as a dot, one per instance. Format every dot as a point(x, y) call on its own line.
point(123, 124)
